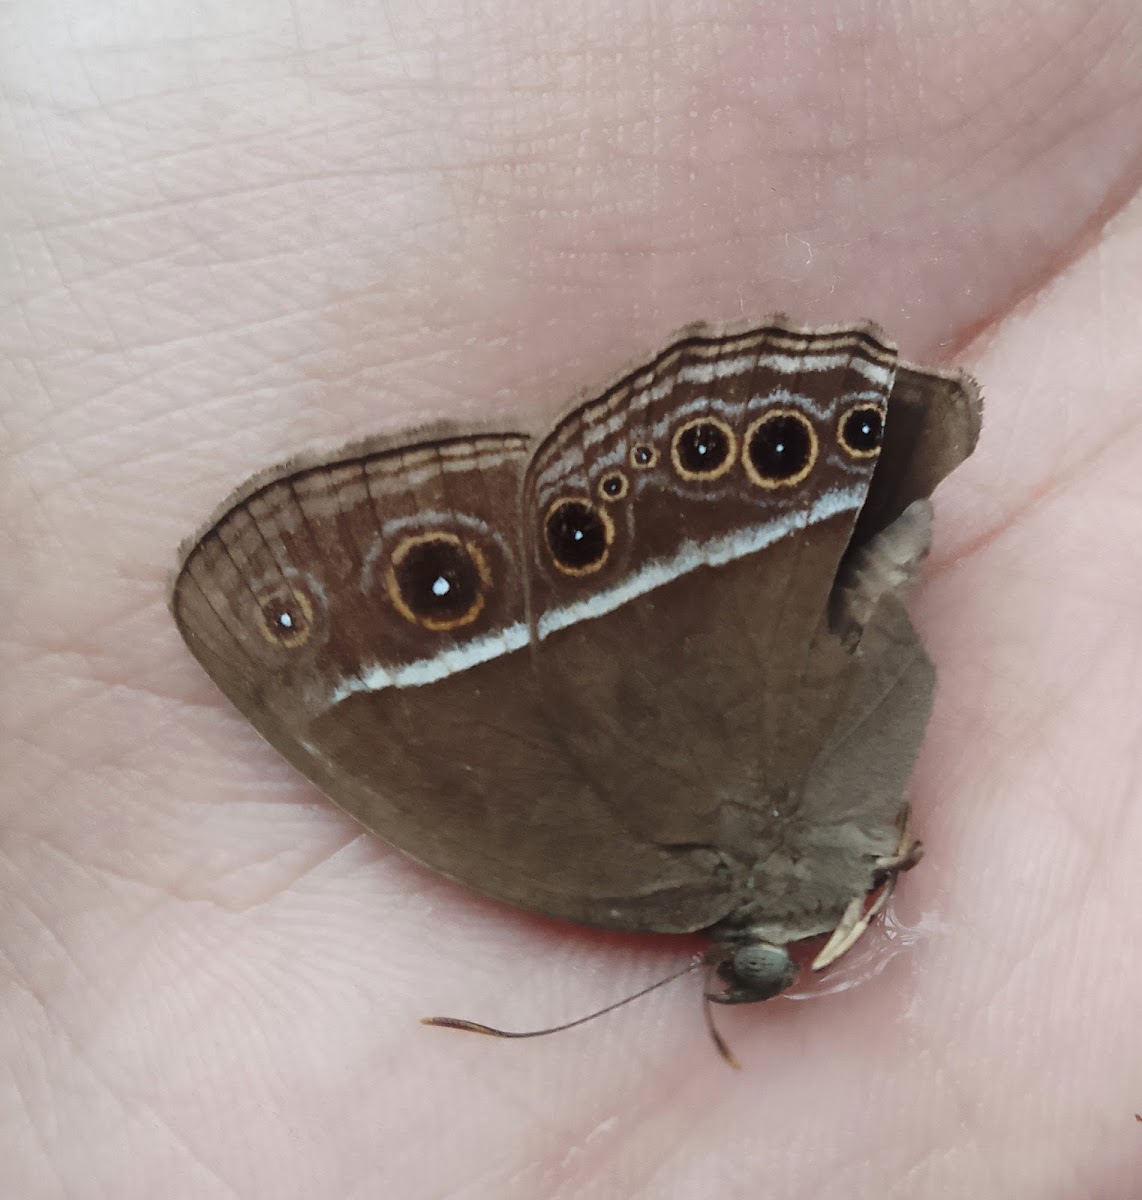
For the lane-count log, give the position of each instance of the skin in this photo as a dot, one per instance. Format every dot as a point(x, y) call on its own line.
point(237, 230)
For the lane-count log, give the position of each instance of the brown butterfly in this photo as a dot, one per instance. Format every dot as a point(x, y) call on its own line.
point(647, 671)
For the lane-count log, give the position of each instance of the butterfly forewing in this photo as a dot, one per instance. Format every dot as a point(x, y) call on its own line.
point(689, 666)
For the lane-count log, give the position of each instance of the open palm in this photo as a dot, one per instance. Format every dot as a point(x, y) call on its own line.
point(238, 231)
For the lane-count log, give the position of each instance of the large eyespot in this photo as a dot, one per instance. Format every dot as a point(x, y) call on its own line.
point(642, 457)
point(285, 615)
point(614, 485)
point(579, 536)
point(861, 431)
point(780, 448)
point(703, 448)
point(437, 580)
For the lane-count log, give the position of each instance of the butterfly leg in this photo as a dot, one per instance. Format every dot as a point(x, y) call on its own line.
point(859, 913)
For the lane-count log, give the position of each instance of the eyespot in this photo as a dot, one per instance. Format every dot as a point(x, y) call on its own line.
point(703, 448)
point(578, 535)
point(614, 485)
point(780, 448)
point(438, 580)
point(861, 431)
point(642, 457)
point(285, 616)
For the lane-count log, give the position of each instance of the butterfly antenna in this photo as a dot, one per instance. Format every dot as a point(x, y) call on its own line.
point(475, 1027)
point(708, 1010)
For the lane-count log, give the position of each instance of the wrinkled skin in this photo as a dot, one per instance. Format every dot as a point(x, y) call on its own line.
point(236, 229)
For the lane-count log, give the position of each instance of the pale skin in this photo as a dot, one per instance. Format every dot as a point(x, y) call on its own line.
point(237, 230)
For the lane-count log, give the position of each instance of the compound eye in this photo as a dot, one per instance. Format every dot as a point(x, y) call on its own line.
point(756, 971)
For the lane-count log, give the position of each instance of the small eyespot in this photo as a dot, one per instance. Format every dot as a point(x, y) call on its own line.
point(614, 485)
point(781, 448)
point(285, 616)
point(578, 535)
point(703, 448)
point(861, 431)
point(438, 581)
point(642, 457)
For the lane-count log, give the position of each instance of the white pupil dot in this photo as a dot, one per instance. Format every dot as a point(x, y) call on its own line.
point(441, 586)
point(285, 620)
